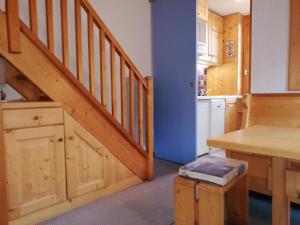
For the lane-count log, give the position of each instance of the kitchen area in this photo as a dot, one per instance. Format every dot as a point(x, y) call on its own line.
point(223, 68)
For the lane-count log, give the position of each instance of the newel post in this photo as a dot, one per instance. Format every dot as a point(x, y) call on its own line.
point(13, 26)
point(149, 128)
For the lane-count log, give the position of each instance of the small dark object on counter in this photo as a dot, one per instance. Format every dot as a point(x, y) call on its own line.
point(3, 96)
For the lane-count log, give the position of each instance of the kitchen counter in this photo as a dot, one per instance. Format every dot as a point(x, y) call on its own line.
point(219, 97)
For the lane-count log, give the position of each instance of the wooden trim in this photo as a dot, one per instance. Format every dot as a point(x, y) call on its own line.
point(50, 26)
point(141, 113)
point(30, 105)
point(123, 94)
point(103, 68)
point(78, 40)
point(3, 186)
point(149, 129)
point(294, 65)
point(91, 54)
point(131, 100)
point(13, 25)
point(65, 31)
point(113, 80)
point(69, 76)
point(277, 95)
point(250, 47)
point(33, 16)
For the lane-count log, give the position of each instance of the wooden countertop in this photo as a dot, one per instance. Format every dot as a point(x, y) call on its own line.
point(265, 140)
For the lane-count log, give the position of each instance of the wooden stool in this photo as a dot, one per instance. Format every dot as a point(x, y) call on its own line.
point(210, 208)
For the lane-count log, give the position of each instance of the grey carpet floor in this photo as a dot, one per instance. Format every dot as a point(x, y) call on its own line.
point(149, 203)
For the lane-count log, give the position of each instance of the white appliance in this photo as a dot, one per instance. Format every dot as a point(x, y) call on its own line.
point(217, 118)
point(203, 124)
point(210, 122)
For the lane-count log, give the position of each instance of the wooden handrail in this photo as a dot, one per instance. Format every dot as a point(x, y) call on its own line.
point(144, 87)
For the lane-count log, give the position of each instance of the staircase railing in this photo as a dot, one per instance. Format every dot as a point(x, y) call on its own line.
point(135, 115)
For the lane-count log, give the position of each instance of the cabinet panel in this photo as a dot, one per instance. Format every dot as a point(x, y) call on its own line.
point(87, 160)
point(35, 168)
point(202, 9)
point(216, 47)
point(233, 115)
point(258, 170)
point(22, 118)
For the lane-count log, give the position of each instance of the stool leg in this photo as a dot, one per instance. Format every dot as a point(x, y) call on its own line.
point(184, 201)
point(211, 208)
point(237, 199)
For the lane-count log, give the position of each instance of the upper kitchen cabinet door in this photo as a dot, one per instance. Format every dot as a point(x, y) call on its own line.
point(202, 9)
point(216, 47)
point(87, 160)
point(35, 168)
point(217, 23)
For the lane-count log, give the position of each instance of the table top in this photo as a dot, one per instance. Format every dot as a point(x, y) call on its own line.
point(265, 140)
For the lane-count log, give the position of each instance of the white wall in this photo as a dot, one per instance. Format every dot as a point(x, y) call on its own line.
point(128, 20)
point(270, 46)
point(130, 23)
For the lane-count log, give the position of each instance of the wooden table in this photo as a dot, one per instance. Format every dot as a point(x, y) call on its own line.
point(279, 143)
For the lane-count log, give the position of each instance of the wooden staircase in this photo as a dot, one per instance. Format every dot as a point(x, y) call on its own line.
point(126, 127)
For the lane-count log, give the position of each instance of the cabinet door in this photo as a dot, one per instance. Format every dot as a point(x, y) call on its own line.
point(203, 9)
point(87, 160)
point(35, 168)
point(216, 47)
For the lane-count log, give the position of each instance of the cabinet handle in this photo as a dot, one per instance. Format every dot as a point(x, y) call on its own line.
point(60, 140)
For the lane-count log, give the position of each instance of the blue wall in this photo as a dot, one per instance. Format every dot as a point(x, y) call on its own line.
point(174, 65)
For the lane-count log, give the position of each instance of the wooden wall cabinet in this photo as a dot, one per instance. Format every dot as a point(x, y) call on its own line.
point(215, 39)
point(233, 114)
point(202, 9)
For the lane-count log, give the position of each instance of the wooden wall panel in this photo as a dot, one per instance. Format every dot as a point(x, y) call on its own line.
point(294, 66)
point(226, 78)
point(222, 80)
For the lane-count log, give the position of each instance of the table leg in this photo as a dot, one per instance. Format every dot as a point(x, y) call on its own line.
point(280, 206)
point(238, 203)
point(211, 208)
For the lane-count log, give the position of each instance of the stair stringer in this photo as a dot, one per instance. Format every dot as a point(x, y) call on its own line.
point(46, 75)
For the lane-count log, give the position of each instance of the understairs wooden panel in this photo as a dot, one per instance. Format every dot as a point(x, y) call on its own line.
point(23, 85)
point(43, 73)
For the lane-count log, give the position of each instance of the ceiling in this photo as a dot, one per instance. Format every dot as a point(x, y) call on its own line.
point(226, 7)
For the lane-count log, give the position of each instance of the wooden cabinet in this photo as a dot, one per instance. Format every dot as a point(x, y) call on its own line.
point(53, 164)
point(35, 168)
point(215, 39)
point(202, 9)
point(87, 160)
point(233, 115)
